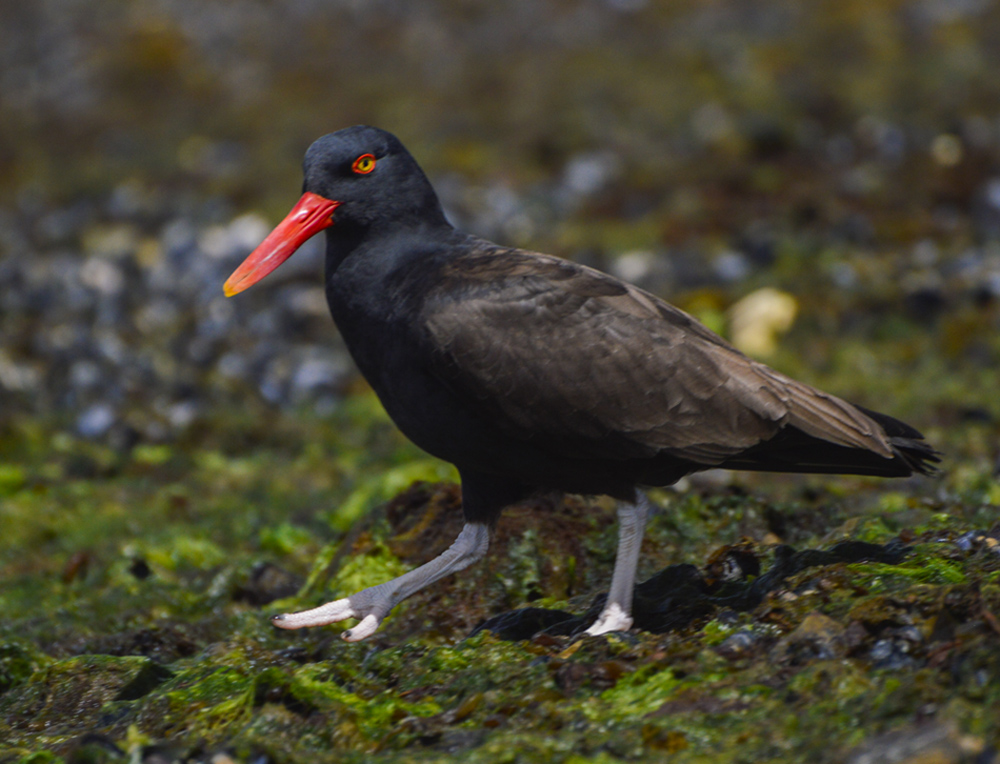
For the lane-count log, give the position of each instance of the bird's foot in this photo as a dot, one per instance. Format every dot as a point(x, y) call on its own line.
point(373, 604)
point(614, 618)
point(370, 610)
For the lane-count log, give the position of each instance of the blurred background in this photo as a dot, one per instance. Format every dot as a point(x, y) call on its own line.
point(845, 153)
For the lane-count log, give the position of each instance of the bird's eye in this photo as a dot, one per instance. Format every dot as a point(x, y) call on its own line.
point(364, 164)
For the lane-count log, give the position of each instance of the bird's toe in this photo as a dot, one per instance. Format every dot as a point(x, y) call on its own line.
point(331, 612)
point(614, 618)
point(368, 625)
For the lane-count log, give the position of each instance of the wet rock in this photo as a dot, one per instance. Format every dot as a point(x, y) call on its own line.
point(706, 704)
point(892, 654)
point(140, 569)
point(162, 645)
point(969, 541)
point(731, 564)
point(95, 748)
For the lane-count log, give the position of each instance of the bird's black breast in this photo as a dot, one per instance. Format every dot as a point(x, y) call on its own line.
point(377, 307)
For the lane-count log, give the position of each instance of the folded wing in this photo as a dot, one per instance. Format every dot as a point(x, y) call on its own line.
point(579, 362)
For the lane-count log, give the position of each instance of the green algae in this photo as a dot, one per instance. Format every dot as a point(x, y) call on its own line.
point(384, 486)
point(182, 658)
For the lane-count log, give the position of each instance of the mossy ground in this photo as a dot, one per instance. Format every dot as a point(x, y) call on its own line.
point(133, 626)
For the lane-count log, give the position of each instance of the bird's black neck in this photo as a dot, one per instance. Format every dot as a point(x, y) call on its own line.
point(370, 272)
point(378, 252)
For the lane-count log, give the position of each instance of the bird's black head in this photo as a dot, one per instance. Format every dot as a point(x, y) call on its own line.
point(357, 180)
point(373, 177)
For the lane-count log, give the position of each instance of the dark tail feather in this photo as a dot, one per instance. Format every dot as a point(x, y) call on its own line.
point(907, 442)
point(792, 450)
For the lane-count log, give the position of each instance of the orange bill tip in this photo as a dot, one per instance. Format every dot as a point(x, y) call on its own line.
point(308, 217)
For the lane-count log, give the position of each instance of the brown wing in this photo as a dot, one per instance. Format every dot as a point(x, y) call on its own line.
point(569, 356)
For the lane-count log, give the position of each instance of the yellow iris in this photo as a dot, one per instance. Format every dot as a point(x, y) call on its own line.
point(364, 164)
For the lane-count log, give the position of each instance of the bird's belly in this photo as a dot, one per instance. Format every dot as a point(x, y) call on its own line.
point(430, 415)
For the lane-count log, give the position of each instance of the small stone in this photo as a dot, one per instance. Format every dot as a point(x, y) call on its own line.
point(85, 373)
point(181, 415)
point(633, 266)
point(96, 421)
point(585, 174)
point(102, 275)
point(315, 374)
point(232, 365)
point(156, 316)
point(17, 376)
point(890, 654)
point(268, 583)
point(731, 266)
point(738, 645)
point(947, 150)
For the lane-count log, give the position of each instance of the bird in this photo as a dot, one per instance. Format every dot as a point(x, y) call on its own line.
point(534, 375)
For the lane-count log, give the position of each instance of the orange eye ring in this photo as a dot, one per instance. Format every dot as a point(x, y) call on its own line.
point(364, 164)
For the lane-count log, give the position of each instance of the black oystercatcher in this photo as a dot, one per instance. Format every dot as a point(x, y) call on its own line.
point(534, 374)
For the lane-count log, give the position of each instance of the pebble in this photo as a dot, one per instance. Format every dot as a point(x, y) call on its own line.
point(98, 317)
point(102, 275)
point(893, 653)
point(731, 266)
point(315, 374)
point(741, 644)
point(95, 421)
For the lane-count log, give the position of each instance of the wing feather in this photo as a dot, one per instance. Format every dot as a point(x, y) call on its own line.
point(568, 356)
